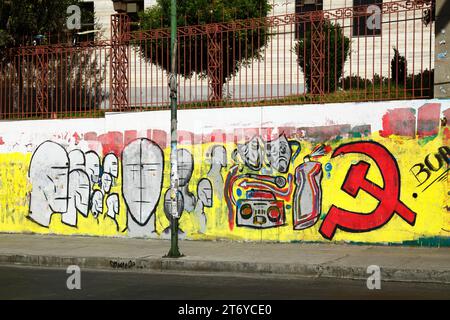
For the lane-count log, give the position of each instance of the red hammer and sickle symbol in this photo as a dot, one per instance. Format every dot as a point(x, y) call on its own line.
point(388, 196)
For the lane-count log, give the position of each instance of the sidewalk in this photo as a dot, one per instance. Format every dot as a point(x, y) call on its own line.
point(287, 259)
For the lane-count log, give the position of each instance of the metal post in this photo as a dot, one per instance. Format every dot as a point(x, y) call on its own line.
point(441, 65)
point(174, 251)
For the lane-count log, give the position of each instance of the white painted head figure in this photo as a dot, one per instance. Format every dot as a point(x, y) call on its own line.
point(93, 166)
point(219, 156)
point(185, 169)
point(205, 193)
point(251, 153)
point(111, 165)
point(185, 166)
point(79, 190)
point(97, 203)
point(168, 204)
point(49, 176)
point(113, 205)
point(77, 160)
point(278, 152)
point(142, 171)
point(107, 181)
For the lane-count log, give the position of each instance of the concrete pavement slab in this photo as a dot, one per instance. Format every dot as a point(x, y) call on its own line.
point(285, 259)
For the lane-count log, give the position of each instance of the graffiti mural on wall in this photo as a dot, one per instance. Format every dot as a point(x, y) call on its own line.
point(264, 199)
point(319, 183)
point(356, 180)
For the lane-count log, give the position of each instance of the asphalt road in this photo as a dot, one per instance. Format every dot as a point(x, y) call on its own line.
point(44, 283)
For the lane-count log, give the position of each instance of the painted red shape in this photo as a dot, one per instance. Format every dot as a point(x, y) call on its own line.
point(400, 121)
point(446, 136)
point(289, 132)
point(249, 133)
point(356, 180)
point(198, 138)
point(446, 114)
point(76, 137)
point(149, 134)
point(238, 135)
point(112, 142)
point(267, 134)
point(1, 141)
point(159, 137)
point(428, 119)
point(218, 136)
point(129, 136)
point(90, 136)
point(185, 137)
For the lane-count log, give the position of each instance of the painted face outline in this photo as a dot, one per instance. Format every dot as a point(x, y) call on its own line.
point(185, 166)
point(219, 156)
point(168, 204)
point(111, 165)
point(112, 203)
point(97, 203)
point(50, 176)
point(93, 166)
point(77, 160)
point(278, 152)
point(107, 181)
point(251, 153)
point(80, 190)
point(142, 178)
point(205, 192)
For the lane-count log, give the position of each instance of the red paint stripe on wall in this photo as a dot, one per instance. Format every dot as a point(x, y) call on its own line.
point(112, 142)
point(159, 137)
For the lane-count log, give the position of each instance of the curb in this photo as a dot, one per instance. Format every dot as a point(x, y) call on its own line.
point(248, 268)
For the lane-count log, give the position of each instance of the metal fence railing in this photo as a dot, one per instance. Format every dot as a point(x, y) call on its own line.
point(364, 53)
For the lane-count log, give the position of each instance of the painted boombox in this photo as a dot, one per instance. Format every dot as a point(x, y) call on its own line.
point(261, 210)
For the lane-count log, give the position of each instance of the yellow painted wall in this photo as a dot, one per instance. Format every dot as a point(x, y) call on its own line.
point(430, 206)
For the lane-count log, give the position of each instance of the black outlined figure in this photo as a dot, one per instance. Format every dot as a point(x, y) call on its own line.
point(97, 203)
point(111, 165)
point(278, 153)
point(113, 208)
point(77, 160)
point(142, 179)
point(218, 162)
point(205, 199)
point(93, 166)
point(49, 176)
point(79, 190)
point(107, 181)
point(250, 153)
point(307, 202)
point(168, 210)
point(185, 169)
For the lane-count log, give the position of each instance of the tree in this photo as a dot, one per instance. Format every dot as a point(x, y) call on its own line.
point(21, 21)
point(233, 49)
point(336, 47)
point(398, 68)
point(73, 78)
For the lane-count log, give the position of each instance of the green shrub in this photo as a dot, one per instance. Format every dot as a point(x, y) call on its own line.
point(336, 47)
point(398, 68)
